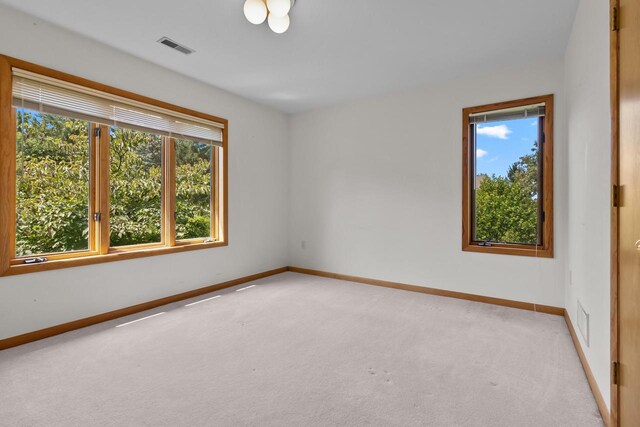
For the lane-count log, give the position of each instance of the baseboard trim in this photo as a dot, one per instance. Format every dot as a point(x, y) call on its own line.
point(434, 291)
point(88, 321)
point(604, 411)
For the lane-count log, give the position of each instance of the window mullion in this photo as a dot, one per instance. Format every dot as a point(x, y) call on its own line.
point(104, 141)
point(169, 204)
point(94, 179)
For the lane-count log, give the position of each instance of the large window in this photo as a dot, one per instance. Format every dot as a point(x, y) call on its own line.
point(93, 174)
point(508, 178)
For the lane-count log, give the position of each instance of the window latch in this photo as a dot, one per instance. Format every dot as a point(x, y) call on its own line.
point(35, 260)
point(97, 216)
point(487, 244)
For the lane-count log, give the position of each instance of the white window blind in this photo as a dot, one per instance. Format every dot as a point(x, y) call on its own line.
point(528, 111)
point(48, 95)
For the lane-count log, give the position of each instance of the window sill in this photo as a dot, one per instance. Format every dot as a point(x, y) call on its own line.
point(113, 255)
point(502, 249)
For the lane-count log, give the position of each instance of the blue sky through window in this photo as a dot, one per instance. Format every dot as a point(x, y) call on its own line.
point(502, 143)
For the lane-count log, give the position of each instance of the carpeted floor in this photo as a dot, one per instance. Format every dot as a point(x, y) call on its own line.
point(299, 350)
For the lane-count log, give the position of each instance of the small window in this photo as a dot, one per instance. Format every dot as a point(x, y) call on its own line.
point(507, 175)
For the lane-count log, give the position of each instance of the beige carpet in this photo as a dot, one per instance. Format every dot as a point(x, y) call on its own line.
point(298, 350)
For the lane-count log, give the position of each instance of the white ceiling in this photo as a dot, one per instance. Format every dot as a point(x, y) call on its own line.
point(335, 50)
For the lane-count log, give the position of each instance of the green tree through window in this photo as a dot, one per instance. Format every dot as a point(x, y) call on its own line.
point(193, 189)
point(53, 180)
point(52, 183)
point(507, 207)
point(136, 187)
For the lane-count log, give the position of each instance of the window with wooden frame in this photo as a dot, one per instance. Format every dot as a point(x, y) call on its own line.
point(91, 174)
point(507, 177)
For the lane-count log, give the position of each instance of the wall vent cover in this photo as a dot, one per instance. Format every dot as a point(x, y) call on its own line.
point(175, 45)
point(583, 323)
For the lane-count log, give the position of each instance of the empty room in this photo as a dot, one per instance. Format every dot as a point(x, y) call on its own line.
point(320, 213)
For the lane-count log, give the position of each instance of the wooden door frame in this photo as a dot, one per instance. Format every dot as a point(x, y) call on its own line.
point(615, 168)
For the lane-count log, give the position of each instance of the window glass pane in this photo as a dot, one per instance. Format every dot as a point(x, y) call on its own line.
point(506, 181)
point(136, 187)
point(193, 189)
point(52, 183)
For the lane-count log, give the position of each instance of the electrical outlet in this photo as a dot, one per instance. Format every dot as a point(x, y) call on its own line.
point(583, 323)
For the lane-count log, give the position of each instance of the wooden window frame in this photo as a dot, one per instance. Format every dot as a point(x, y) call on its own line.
point(99, 250)
point(167, 172)
point(468, 244)
point(171, 198)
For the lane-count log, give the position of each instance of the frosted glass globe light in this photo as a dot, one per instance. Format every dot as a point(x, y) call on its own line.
point(278, 24)
point(279, 8)
point(255, 11)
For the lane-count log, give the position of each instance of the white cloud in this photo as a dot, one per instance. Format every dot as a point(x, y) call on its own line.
point(499, 131)
point(480, 153)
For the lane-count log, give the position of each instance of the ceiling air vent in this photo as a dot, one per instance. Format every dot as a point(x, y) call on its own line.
point(177, 46)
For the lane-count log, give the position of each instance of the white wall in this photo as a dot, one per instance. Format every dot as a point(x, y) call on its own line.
point(588, 128)
point(372, 188)
point(376, 190)
point(258, 193)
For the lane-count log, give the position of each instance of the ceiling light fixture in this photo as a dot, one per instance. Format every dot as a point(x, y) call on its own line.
point(276, 12)
point(255, 11)
point(278, 24)
point(279, 7)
